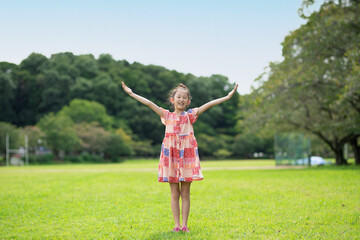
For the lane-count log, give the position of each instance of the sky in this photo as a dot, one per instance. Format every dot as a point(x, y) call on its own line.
point(234, 38)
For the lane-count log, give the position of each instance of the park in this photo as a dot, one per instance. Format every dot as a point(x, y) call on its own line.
point(82, 121)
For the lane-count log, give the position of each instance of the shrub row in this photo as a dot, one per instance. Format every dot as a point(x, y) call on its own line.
point(81, 158)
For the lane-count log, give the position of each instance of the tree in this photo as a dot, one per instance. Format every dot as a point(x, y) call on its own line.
point(86, 65)
point(35, 137)
point(117, 147)
point(56, 92)
point(63, 64)
point(222, 118)
point(142, 121)
point(352, 94)
point(305, 92)
point(82, 89)
point(220, 146)
point(80, 111)
point(28, 94)
point(107, 92)
point(7, 95)
point(60, 133)
point(34, 63)
point(94, 139)
point(105, 62)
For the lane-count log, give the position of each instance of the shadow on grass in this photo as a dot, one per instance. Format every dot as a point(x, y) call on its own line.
point(168, 235)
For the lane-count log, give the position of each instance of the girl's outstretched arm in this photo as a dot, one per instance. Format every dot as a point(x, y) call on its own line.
point(215, 102)
point(143, 100)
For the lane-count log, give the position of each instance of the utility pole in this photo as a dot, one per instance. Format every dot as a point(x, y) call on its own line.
point(7, 150)
point(26, 151)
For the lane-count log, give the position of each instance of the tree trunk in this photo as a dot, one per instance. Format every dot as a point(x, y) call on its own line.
point(339, 154)
point(338, 149)
point(356, 150)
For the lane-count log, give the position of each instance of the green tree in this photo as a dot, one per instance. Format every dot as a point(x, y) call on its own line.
point(223, 117)
point(142, 121)
point(107, 92)
point(28, 95)
point(60, 133)
point(34, 63)
point(219, 146)
point(7, 95)
point(82, 89)
point(105, 62)
point(86, 66)
point(63, 64)
point(144, 148)
point(305, 92)
point(56, 92)
point(94, 139)
point(80, 110)
point(117, 147)
point(351, 93)
point(35, 137)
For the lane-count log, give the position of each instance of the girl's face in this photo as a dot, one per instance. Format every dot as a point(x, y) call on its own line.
point(180, 100)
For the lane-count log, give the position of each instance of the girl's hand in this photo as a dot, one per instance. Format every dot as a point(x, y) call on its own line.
point(232, 92)
point(126, 89)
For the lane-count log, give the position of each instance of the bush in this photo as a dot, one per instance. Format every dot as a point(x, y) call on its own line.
point(84, 157)
point(116, 160)
point(117, 147)
point(92, 158)
point(40, 159)
point(218, 146)
point(245, 145)
point(73, 159)
point(222, 153)
point(144, 149)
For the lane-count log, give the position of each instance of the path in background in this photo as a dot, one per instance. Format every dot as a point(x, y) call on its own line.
point(252, 168)
point(151, 166)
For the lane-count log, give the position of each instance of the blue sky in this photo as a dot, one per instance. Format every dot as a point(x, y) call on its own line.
point(237, 39)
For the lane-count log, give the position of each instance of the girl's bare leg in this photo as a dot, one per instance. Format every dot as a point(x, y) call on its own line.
point(175, 207)
point(185, 198)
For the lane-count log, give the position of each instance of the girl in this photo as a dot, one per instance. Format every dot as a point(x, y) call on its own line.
point(179, 159)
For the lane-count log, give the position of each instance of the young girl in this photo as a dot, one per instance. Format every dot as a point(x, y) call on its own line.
point(179, 159)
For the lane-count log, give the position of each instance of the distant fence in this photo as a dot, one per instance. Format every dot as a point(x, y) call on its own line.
point(291, 149)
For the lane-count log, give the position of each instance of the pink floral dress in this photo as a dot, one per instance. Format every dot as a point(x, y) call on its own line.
point(179, 159)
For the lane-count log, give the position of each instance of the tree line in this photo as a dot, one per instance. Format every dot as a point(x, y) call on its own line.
point(76, 105)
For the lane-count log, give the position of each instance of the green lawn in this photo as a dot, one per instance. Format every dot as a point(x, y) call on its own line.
point(124, 201)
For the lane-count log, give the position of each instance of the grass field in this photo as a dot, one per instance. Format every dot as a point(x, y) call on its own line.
point(124, 201)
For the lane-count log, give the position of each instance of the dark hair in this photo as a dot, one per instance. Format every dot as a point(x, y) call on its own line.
point(175, 89)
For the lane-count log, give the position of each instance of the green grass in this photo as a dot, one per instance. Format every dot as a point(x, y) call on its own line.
point(124, 201)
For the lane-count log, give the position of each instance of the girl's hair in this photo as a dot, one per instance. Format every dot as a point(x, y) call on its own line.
point(174, 90)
